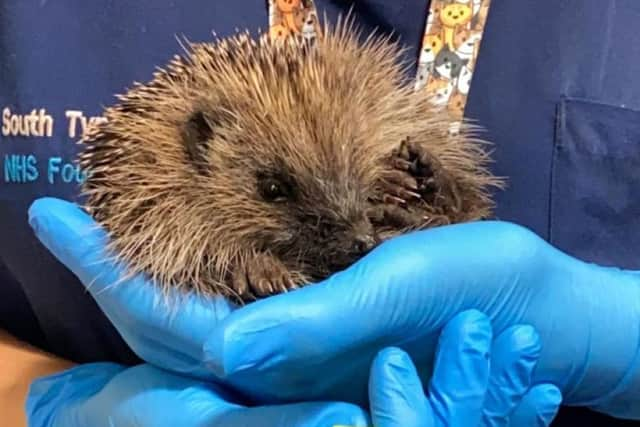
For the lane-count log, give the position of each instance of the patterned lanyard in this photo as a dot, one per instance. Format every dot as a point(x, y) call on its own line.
point(293, 18)
point(450, 45)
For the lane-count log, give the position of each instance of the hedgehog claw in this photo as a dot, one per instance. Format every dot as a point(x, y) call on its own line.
point(389, 199)
point(403, 165)
point(403, 150)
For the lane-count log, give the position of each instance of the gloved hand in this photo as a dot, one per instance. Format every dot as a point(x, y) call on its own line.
point(401, 294)
point(146, 396)
point(318, 342)
point(158, 333)
point(476, 382)
point(108, 395)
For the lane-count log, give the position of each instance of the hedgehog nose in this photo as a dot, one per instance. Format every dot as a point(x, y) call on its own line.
point(364, 244)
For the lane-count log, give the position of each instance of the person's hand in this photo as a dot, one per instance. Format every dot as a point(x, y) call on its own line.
point(166, 333)
point(274, 348)
point(476, 382)
point(107, 395)
point(319, 341)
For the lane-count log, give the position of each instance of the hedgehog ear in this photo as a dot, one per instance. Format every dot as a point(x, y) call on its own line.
point(197, 132)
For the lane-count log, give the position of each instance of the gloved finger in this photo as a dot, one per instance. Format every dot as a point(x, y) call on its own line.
point(538, 408)
point(396, 394)
point(106, 394)
point(514, 356)
point(461, 372)
point(295, 415)
point(76, 240)
point(156, 331)
point(51, 394)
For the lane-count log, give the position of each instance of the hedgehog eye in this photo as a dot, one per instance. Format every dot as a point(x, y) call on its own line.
point(273, 190)
point(274, 187)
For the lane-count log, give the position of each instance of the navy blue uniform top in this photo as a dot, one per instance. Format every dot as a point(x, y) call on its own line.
point(556, 86)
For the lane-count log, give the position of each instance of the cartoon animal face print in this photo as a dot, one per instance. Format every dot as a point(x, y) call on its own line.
point(279, 31)
point(433, 14)
point(465, 43)
point(439, 91)
point(292, 14)
point(454, 128)
point(453, 17)
point(480, 17)
point(448, 65)
point(456, 105)
point(461, 38)
point(475, 4)
point(464, 81)
point(431, 46)
point(456, 14)
point(309, 26)
point(288, 6)
point(424, 71)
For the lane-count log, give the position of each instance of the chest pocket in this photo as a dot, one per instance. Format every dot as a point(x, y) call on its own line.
point(595, 187)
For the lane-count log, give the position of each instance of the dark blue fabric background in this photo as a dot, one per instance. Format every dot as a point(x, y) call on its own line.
point(556, 87)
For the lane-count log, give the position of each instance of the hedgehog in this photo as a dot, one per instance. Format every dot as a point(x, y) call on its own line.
point(251, 166)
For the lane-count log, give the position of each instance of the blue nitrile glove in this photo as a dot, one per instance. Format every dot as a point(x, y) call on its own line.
point(401, 294)
point(75, 240)
point(319, 341)
point(170, 337)
point(109, 395)
point(476, 382)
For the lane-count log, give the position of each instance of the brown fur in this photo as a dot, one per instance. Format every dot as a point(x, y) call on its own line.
point(178, 172)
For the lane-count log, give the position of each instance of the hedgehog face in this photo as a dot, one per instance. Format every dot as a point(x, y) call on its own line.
point(308, 207)
point(300, 182)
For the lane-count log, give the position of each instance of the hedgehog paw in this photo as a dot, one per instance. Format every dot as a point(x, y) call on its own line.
point(419, 175)
point(391, 220)
point(263, 276)
point(389, 216)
